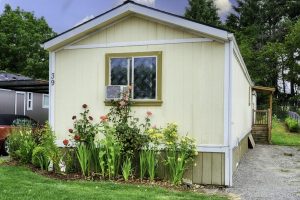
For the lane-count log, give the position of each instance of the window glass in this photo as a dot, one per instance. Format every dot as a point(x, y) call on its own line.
point(144, 78)
point(45, 101)
point(119, 71)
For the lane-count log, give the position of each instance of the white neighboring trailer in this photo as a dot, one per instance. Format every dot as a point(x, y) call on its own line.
point(199, 80)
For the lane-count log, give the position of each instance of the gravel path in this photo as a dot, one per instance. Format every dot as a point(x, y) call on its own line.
point(268, 172)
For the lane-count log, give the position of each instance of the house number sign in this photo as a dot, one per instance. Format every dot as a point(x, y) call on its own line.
point(52, 81)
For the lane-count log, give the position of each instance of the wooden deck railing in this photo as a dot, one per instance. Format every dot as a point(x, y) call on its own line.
point(260, 117)
point(263, 118)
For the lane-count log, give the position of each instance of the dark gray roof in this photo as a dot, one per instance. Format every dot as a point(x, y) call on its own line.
point(18, 82)
point(4, 76)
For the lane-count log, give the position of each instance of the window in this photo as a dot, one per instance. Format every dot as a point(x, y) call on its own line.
point(29, 100)
point(45, 101)
point(140, 70)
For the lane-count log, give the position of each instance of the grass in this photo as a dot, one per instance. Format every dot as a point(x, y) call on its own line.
point(21, 183)
point(281, 136)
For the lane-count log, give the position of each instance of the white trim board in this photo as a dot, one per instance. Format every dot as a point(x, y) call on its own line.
point(129, 8)
point(51, 89)
point(16, 101)
point(140, 43)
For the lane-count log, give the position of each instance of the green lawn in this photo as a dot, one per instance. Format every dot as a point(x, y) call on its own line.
point(281, 136)
point(21, 183)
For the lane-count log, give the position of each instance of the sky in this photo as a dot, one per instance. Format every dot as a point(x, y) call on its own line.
point(62, 15)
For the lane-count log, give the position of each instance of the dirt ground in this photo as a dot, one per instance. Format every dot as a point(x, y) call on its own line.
point(268, 172)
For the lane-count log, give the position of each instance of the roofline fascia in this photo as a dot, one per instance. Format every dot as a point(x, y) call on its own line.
point(240, 58)
point(131, 7)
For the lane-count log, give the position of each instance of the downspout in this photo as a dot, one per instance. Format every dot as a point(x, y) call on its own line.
point(230, 145)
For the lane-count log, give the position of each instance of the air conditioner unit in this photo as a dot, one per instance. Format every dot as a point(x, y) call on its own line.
point(115, 92)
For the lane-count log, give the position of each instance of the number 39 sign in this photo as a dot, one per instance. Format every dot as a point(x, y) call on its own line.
point(52, 81)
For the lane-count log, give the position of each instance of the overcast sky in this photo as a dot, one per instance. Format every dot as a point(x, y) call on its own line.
point(64, 14)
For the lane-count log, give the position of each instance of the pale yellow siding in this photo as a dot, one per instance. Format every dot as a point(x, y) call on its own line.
point(192, 80)
point(241, 104)
point(134, 29)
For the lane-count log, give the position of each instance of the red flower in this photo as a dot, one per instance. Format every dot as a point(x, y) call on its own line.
point(66, 142)
point(104, 118)
point(149, 113)
point(77, 137)
point(84, 106)
point(74, 117)
point(70, 130)
point(91, 118)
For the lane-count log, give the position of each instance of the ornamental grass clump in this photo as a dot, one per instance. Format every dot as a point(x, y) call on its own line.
point(127, 168)
point(84, 156)
point(179, 151)
point(109, 152)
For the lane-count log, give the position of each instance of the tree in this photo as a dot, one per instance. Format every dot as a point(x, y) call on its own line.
point(21, 35)
point(204, 11)
point(267, 39)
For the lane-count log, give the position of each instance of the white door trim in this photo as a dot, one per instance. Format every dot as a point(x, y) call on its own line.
point(16, 101)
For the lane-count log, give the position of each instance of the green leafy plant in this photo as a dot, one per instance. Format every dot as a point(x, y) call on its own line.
point(40, 157)
point(84, 129)
point(143, 164)
point(109, 152)
point(151, 163)
point(129, 131)
point(292, 124)
point(84, 155)
point(178, 152)
point(126, 168)
point(21, 144)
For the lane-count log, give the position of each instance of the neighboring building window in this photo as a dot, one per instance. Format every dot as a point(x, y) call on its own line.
point(45, 101)
point(140, 70)
point(29, 100)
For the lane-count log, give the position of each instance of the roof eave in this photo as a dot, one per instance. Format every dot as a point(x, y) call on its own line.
point(126, 9)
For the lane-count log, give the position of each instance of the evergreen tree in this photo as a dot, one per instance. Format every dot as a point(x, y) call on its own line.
point(204, 11)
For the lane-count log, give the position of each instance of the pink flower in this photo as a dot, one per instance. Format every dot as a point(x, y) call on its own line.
point(70, 130)
point(84, 106)
point(104, 118)
point(149, 113)
point(154, 126)
point(66, 142)
point(122, 103)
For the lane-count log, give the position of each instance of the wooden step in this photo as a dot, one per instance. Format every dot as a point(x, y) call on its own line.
point(260, 128)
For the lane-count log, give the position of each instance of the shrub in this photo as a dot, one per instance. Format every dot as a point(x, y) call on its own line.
point(84, 129)
point(129, 131)
point(292, 124)
point(40, 157)
point(178, 151)
point(21, 144)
